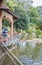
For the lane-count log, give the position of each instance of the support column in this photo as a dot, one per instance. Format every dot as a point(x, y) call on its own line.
point(12, 29)
point(0, 23)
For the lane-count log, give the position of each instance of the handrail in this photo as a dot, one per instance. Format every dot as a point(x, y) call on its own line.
point(11, 55)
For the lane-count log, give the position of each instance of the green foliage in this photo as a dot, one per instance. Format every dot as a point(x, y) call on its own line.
point(28, 18)
point(5, 23)
point(38, 33)
point(25, 16)
point(21, 23)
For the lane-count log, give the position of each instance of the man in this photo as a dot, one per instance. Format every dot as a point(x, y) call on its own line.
point(5, 31)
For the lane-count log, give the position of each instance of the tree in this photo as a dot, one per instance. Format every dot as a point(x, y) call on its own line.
point(26, 17)
point(34, 15)
point(40, 19)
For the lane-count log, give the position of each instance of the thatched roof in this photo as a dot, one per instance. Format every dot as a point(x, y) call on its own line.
point(6, 9)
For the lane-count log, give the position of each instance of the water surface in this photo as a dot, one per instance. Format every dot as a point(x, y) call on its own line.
point(27, 53)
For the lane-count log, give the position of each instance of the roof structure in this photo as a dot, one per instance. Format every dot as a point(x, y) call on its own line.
point(6, 9)
point(1, 1)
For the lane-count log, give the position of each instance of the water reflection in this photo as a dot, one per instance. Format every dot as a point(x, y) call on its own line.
point(29, 53)
point(7, 61)
point(37, 53)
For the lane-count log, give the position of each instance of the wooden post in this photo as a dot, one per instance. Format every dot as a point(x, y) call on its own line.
point(0, 23)
point(12, 29)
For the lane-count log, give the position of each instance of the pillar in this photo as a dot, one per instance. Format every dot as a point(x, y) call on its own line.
point(0, 23)
point(12, 29)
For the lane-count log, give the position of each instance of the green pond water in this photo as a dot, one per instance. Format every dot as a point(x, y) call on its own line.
point(27, 53)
